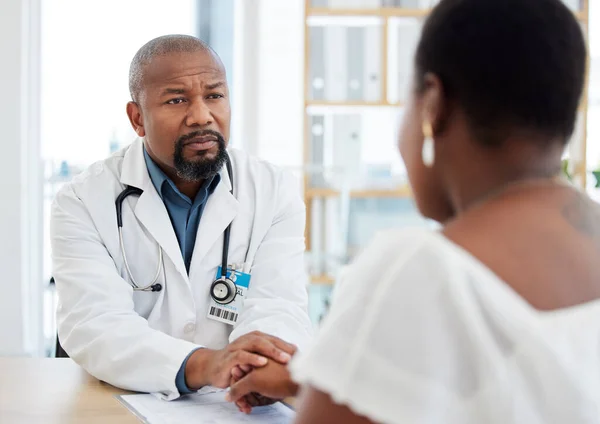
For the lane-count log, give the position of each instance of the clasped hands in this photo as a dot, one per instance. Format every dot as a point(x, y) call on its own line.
point(254, 367)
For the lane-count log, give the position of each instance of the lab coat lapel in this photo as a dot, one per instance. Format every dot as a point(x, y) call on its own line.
point(150, 209)
point(153, 215)
point(220, 210)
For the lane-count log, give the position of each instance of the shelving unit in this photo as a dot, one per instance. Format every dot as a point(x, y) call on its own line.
point(400, 192)
point(381, 27)
point(319, 196)
point(383, 12)
point(356, 103)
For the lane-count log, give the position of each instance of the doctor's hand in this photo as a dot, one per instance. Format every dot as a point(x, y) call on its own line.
point(213, 367)
point(261, 386)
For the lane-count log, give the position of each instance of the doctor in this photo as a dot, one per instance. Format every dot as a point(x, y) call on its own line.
point(177, 260)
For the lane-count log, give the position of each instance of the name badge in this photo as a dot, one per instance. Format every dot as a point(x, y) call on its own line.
point(230, 312)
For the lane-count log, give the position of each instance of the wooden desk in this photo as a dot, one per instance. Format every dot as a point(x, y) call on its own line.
point(56, 391)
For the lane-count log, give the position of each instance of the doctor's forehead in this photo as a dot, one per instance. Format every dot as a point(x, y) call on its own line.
point(169, 58)
point(182, 68)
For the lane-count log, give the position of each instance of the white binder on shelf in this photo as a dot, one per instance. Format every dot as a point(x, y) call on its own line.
point(408, 4)
point(353, 4)
point(336, 72)
point(339, 4)
point(428, 4)
point(574, 5)
point(330, 174)
point(333, 235)
point(355, 60)
point(317, 63)
point(372, 63)
point(371, 4)
point(408, 34)
point(416, 4)
point(317, 265)
point(317, 148)
point(347, 141)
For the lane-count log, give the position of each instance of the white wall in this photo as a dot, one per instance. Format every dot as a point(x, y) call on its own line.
point(19, 182)
point(269, 78)
point(281, 80)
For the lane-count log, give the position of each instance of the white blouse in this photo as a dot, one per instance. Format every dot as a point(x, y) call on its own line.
point(422, 332)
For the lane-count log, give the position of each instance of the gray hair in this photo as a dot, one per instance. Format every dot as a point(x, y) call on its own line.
point(160, 46)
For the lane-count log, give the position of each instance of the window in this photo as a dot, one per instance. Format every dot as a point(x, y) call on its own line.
point(86, 51)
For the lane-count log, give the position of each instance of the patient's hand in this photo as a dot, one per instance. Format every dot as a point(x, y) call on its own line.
point(251, 400)
point(260, 386)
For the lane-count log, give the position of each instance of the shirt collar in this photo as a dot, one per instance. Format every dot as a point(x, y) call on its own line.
point(157, 176)
point(161, 182)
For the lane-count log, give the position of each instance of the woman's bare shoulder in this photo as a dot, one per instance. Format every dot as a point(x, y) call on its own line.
point(536, 244)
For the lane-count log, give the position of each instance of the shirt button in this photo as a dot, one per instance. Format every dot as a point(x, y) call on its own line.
point(190, 327)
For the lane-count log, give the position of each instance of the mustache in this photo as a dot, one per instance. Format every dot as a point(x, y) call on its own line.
point(200, 133)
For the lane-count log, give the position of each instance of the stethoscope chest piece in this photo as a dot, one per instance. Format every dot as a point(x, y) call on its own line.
point(223, 291)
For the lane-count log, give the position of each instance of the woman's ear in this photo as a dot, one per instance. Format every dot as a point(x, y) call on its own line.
point(435, 106)
point(136, 119)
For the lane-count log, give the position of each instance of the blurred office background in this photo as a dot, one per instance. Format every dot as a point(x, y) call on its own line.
point(332, 119)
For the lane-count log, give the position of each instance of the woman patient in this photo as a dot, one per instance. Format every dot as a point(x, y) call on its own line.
point(496, 318)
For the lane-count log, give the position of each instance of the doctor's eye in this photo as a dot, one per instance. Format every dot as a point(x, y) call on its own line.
point(176, 101)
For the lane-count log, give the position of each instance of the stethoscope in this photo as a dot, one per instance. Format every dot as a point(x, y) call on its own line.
point(222, 290)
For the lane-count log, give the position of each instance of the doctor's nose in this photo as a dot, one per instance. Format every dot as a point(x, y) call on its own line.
point(198, 115)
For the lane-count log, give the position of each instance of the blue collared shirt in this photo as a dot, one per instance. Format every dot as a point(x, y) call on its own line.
point(185, 217)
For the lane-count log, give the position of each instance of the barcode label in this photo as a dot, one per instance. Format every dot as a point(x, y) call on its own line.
point(224, 314)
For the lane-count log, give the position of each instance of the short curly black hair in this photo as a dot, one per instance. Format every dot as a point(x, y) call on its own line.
point(509, 64)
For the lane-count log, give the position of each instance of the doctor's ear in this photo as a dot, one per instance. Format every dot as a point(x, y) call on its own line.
point(135, 117)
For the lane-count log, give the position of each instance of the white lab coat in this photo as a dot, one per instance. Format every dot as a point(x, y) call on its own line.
point(138, 340)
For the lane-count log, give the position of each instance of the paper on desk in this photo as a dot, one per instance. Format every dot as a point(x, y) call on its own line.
point(205, 407)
